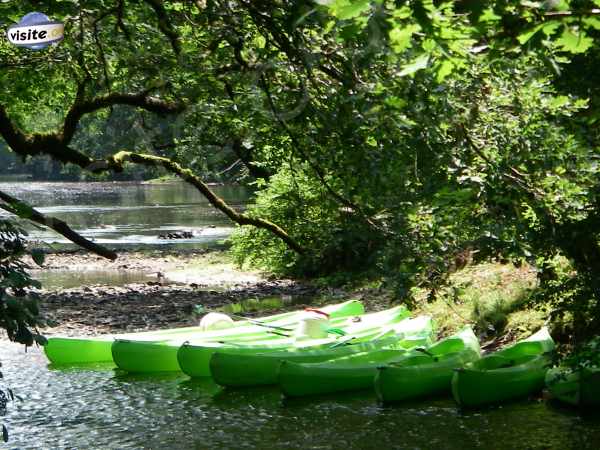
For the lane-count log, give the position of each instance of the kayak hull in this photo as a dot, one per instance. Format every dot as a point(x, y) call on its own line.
point(195, 359)
point(69, 350)
point(358, 372)
point(301, 379)
point(425, 375)
point(78, 351)
point(235, 370)
point(576, 387)
point(509, 374)
point(265, 369)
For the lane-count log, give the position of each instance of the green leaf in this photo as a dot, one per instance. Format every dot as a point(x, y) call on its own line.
point(489, 16)
point(259, 41)
point(574, 43)
point(548, 29)
point(349, 9)
point(444, 69)
point(395, 102)
point(417, 64)
point(557, 102)
point(400, 38)
point(592, 22)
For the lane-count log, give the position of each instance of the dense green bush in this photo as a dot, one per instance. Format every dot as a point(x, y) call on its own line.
point(19, 311)
point(435, 182)
point(337, 241)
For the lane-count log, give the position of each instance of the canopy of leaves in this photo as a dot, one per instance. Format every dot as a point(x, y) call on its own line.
point(386, 137)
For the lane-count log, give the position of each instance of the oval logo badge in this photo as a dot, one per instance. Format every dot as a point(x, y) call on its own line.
point(35, 31)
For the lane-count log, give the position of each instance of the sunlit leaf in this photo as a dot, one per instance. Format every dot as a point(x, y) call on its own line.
point(444, 69)
point(548, 28)
point(417, 64)
point(400, 38)
point(592, 22)
point(349, 9)
point(574, 42)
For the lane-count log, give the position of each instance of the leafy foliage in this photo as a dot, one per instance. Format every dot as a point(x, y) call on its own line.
point(19, 310)
point(338, 241)
point(404, 137)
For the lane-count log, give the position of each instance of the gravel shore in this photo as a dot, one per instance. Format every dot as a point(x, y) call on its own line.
point(183, 280)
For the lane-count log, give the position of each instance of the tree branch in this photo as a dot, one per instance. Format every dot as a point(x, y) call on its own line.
point(23, 210)
point(590, 12)
point(140, 100)
point(116, 162)
point(164, 24)
point(56, 145)
point(314, 166)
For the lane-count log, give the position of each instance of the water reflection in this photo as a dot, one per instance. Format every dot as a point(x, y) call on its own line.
point(123, 214)
point(67, 279)
point(82, 408)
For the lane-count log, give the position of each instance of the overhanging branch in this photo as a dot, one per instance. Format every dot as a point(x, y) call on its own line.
point(56, 145)
point(141, 100)
point(116, 162)
point(25, 211)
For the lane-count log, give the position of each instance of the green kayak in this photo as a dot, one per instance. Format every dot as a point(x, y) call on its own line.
point(194, 358)
point(578, 387)
point(426, 373)
point(71, 350)
point(512, 373)
point(237, 370)
point(138, 356)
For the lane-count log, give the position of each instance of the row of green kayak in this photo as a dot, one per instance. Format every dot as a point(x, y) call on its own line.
point(71, 350)
point(385, 351)
point(191, 349)
point(402, 372)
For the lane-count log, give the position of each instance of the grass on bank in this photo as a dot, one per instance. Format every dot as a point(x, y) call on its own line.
point(492, 297)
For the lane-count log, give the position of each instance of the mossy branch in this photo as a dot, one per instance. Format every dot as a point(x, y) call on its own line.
point(25, 211)
point(117, 161)
point(57, 146)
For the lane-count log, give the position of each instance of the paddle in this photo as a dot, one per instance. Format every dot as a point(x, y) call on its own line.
point(200, 309)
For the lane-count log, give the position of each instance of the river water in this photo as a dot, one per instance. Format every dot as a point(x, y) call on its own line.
point(97, 408)
point(123, 214)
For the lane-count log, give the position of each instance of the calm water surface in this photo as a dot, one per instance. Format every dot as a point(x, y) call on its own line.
point(124, 214)
point(97, 408)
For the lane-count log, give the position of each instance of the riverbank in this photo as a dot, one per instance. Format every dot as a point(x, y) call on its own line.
point(179, 281)
point(491, 297)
